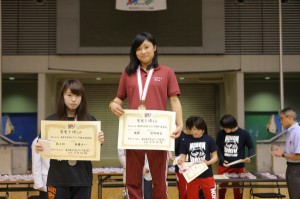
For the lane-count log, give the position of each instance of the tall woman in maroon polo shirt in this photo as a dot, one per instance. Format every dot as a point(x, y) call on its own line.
point(147, 85)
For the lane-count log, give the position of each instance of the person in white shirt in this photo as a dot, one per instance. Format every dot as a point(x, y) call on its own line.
point(40, 167)
point(288, 119)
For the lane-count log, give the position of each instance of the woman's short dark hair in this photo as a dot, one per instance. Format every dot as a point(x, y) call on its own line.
point(134, 62)
point(228, 121)
point(199, 123)
point(189, 122)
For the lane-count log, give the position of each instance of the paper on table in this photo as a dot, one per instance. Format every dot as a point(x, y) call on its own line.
point(220, 177)
point(46, 144)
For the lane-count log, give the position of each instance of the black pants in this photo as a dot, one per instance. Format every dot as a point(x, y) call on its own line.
point(147, 189)
point(201, 195)
point(293, 180)
point(69, 192)
point(43, 195)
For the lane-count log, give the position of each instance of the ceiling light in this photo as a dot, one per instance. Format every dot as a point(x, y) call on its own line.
point(98, 78)
point(11, 78)
point(181, 78)
point(267, 78)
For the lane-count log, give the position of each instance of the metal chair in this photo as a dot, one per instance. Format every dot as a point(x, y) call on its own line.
point(267, 195)
point(277, 195)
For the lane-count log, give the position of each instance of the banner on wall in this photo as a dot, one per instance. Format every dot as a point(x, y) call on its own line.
point(7, 126)
point(141, 5)
point(272, 127)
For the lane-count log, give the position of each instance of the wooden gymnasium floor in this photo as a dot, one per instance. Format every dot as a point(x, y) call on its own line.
point(117, 193)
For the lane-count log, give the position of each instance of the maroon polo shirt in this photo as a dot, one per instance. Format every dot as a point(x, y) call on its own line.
point(163, 85)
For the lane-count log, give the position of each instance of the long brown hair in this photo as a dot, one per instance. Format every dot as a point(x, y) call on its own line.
point(76, 88)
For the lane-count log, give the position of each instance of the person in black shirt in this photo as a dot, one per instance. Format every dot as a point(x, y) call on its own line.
point(66, 179)
point(180, 180)
point(200, 147)
point(231, 142)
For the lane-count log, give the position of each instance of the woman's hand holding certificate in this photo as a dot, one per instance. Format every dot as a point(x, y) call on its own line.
point(192, 170)
point(71, 140)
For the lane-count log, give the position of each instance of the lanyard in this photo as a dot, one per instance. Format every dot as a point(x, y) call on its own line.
point(142, 92)
point(73, 162)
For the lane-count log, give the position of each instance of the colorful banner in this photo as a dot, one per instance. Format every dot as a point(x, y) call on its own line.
point(141, 5)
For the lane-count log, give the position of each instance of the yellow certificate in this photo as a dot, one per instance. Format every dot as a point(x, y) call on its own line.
point(71, 140)
point(146, 129)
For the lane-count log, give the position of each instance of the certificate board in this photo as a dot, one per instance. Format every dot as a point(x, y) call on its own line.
point(146, 129)
point(71, 140)
point(194, 171)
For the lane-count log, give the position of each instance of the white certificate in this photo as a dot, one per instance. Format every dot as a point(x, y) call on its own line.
point(235, 162)
point(194, 171)
point(71, 140)
point(146, 129)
